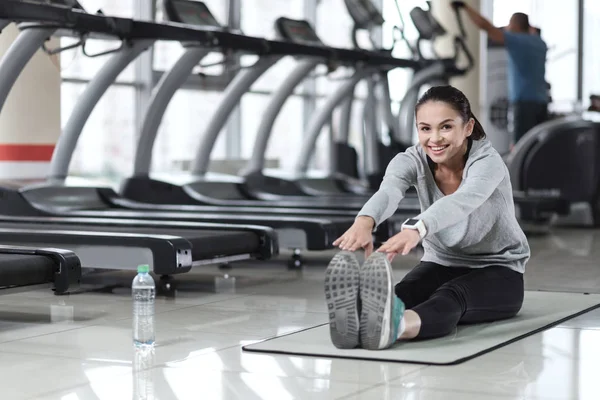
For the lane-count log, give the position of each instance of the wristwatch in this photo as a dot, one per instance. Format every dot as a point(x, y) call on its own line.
point(417, 225)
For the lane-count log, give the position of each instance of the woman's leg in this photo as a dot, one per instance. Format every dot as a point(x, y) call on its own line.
point(483, 295)
point(383, 305)
point(418, 286)
point(423, 280)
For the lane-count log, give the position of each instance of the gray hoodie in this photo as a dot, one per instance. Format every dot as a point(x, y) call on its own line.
point(473, 227)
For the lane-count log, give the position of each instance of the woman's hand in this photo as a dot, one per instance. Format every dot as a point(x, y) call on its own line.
point(359, 235)
point(400, 243)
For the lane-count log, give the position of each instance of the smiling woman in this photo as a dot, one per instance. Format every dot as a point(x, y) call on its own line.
point(475, 251)
point(445, 123)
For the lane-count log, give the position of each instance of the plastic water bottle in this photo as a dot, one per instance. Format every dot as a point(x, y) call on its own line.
point(143, 292)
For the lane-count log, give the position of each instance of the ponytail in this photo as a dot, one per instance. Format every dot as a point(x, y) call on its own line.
point(478, 132)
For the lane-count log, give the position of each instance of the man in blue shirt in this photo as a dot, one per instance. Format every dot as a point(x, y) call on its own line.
point(527, 87)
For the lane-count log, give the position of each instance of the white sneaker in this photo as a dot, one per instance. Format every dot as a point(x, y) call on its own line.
point(382, 310)
point(341, 293)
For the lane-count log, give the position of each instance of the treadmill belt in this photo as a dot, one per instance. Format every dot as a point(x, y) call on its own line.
point(24, 270)
point(208, 244)
point(205, 243)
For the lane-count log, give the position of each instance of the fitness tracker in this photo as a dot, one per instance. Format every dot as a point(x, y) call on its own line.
point(417, 225)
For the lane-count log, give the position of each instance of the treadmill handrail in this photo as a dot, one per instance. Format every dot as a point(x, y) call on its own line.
point(231, 97)
point(385, 103)
point(370, 135)
point(257, 160)
point(343, 131)
point(102, 81)
point(322, 116)
point(406, 112)
point(162, 94)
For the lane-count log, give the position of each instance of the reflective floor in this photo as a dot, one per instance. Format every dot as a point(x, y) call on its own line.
point(79, 346)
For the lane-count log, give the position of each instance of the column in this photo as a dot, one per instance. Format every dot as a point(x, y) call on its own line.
point(30, 120)
point(470, 83)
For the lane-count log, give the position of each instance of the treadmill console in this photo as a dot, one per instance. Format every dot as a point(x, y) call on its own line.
point(74, 4)
point(426, 24)
point(364, 13)
point(190, 13)
point(296, 31)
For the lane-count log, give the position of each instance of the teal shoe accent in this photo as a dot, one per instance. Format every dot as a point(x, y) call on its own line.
point(381, 311)
point(398, 309)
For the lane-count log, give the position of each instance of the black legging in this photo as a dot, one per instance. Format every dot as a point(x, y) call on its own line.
point(444, 296)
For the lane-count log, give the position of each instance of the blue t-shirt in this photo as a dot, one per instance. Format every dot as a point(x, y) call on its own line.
point(526, 67)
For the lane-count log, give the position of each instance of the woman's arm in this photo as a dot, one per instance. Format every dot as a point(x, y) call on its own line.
point(400, 174)
point(483, 177)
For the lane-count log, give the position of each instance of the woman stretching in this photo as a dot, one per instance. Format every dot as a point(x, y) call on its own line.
point(475, 250)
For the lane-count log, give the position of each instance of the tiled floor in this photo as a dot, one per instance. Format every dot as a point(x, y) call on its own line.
point(78, 347)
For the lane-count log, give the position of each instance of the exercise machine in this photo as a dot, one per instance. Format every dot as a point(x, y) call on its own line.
point(29, 212)
point(400, 127)
point(555, 170)
point(24, 268)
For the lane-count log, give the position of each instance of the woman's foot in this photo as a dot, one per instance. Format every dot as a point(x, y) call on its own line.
point(341, 293)
point(382, 310)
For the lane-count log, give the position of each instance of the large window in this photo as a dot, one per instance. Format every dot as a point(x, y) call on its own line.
point(287, 131)
point(334, 24)
point(76, 65)
point(109, 137)
point(182, 128)
point(258, 19)
point(105, 147)
point(191, 108)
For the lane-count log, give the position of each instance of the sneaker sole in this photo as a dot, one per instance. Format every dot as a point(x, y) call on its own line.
point(341, 294)
point(377, 294)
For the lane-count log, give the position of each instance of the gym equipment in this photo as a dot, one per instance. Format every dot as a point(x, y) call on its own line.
point(25, 268)
point(435, 71)
point(233, 190)
point(427, 71)
point(556, 167)
point(106, 243)
point(54, 198)
point(277, 183)
point(541, 311)
point(192, 191)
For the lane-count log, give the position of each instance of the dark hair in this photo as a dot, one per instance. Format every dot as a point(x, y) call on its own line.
point(521, 20)
point(455, 99)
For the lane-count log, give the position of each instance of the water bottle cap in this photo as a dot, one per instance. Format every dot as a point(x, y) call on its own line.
point(144, 268)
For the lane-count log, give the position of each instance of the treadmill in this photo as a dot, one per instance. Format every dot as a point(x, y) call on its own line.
point(168, 247)
point(54, 199)
point(24, 268)
point(334, 183)
point(259, 186)
point(199, 188)
point(378, 154)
